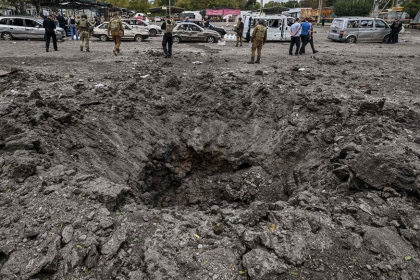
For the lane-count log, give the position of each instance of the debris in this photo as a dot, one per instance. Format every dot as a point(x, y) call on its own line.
point(197, 62)
point(145, 76)
point(99, 85)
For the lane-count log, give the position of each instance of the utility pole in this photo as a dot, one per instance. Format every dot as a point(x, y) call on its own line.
point(261, 7)
point(319, 10)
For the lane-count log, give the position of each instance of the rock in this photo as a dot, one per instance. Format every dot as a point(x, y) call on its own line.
point(112, 195)
point(342, 172)
point(110, 248)
point(256, 211)
point(92, 257)
point(218, 229)
point(371, 107)
point(67, 234)
point(263, 265)
point(388, 242)
point(24, 141)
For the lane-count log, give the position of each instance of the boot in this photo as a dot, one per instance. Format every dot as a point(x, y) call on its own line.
point(81, 48)
point(252, 61)
point(87, 50)
point(46, 50)
point(236, 44)
point(258, 60)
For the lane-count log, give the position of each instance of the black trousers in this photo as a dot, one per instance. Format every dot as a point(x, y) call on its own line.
point(294, 41)
point(167, 43)
point(393, 37)
point(48, 35)
point(311, 42)
point(304, 39)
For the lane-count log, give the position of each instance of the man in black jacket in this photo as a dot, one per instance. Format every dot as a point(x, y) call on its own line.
point(167, 42)
point(49, 26)
point(396, 27)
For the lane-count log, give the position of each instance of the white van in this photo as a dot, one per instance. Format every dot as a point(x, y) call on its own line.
point(278, 26)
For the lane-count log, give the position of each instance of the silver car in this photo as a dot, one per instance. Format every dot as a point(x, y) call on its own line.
point(359, 29)
point(187, 31)
point(130, 33)
point(139, 23)
point(12, 27)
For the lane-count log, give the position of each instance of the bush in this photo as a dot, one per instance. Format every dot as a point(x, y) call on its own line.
point(353, 7)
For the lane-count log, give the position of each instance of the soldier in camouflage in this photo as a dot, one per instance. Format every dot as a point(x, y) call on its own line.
point(258, 39)
point(83, 27)
point(116, 30)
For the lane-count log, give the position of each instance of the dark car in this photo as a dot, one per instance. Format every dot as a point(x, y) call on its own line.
point(220, 30)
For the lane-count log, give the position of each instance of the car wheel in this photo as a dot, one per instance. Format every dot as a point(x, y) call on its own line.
point(7, 36)
point(138, 38)
point(211, 39)
point(385, 39)
point(176, 39)
point(351, 39)
point(152, 32)
point(103, 38)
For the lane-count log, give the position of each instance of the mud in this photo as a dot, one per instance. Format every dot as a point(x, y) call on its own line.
point(140, 167)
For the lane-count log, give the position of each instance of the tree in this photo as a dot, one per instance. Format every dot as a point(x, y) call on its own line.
point(353, 7)
point(272, 3)
point(139, 5)
point(412, 7)
point(291, 4)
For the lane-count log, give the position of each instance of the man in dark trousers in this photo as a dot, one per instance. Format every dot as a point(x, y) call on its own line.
point(49, 26)
point(167, 42)
point(396, 27)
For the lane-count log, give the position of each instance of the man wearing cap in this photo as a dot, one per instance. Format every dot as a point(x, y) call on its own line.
point(167, 42)
point(258, 39)
point(116, 30)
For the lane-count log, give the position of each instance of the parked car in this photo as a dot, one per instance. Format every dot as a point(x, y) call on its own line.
point(359, 29)
point(187, 31)
point(151, 28)
point(220, 30)
point(158, 19)
point(136, 34)
point(16, 27)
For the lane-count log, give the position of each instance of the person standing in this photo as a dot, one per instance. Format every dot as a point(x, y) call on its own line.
point(206, 22)
point(396, 27)
point(323, 21)
point(304, 35)
point(73, 30)
point(102, 19)
point(258, 39)
point(116, 29)
point(83, 26)
point(239, 30)
point(295, 37)
point(311, 36)
point(50, 26)
point(167, 41)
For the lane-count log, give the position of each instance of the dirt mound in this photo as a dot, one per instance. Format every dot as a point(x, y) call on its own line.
point(209, 173)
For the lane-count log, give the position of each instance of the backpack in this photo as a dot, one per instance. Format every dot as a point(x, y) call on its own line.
point(260, 32)
point(115, 24)
point(83, 23)
point(169, 27)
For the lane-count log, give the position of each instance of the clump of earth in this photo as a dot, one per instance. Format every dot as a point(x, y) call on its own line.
point(141, 167)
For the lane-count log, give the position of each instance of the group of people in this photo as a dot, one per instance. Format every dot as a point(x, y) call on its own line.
point(82, 27)
point(301, 33)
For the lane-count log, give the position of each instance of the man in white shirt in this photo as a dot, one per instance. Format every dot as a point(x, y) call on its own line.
point(295, 37)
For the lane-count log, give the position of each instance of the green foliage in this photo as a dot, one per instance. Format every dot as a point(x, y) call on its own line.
point(353, 7)
point(141, 6)
point(272, 4)
point(291, 4)
point(412, 7)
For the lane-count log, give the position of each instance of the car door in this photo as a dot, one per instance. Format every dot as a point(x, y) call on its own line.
point(17, 27)
point(128, 33)
point(196, 33)
point(380, 30)
point(183, 32)
point(365, 30)
point(34, 29)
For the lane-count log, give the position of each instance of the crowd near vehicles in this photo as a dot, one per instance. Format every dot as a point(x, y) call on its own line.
point(278, 26)
point(12, 27)
point(136, 23)
point(136, 34)
point(188, 31)
point(359, 29)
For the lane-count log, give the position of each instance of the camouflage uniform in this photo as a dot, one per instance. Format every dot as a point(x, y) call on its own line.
point(116, 32)
point(258, 39)
point(83, 32)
